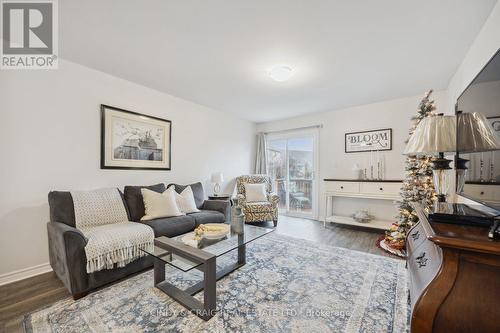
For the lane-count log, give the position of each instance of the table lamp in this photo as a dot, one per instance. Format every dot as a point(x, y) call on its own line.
point(217, 179)
point(475, 135)
point(435, 135)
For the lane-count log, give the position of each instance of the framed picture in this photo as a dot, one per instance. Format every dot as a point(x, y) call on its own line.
point(368, 140)
point(131, 140)
point(495, 123)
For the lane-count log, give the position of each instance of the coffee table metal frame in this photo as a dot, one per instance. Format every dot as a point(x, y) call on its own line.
point(207, 264)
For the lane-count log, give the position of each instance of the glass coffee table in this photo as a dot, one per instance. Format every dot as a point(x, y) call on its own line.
point(174, 252)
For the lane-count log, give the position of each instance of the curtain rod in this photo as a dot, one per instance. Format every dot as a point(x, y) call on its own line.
point(294, 129)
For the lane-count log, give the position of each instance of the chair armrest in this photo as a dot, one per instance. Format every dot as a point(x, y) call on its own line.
point(242, 201)
point(67, 256)
point(273, 198)
point(223, 206)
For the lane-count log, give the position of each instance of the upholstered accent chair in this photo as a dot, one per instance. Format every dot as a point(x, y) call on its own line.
point(257, 211)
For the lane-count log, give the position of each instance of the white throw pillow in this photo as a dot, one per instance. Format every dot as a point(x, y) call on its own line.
point(255, 192)
point(185, 201)
point(159, 204)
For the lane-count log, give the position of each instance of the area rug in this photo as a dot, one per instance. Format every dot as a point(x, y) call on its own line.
point(287, 285)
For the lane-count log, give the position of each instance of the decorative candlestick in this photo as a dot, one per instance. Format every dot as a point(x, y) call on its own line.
point(492, 180)
point(378, 164)
point(371, 164)
point(481, 168)
point(383, 167)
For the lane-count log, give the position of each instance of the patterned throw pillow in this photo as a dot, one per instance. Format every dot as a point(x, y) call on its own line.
point(185, 201)
point(255, 192)
point(159, 204)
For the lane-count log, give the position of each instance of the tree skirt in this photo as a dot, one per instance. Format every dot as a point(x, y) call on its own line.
point(381, 243)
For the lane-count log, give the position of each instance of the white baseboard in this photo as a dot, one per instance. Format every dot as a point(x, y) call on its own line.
point(24, 273)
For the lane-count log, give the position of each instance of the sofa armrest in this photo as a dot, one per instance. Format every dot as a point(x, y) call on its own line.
point(67, 256)
point(223, 206)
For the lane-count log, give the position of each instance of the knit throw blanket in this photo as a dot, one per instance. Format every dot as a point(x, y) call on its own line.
point(113, 241)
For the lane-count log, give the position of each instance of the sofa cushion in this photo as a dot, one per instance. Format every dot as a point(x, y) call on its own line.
point(197, 188)
point(62, 208)
point(171, 226)
point(134, 201)
point(185, 201)
point(208, 216)
point(255, 192)
point(158, 205)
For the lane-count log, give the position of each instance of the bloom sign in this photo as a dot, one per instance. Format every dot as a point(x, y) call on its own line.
point(368, 140)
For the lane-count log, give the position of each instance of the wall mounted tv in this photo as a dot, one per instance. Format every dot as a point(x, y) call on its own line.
point(482, 182)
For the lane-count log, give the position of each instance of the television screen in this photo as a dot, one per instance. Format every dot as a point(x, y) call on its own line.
point(483, 95)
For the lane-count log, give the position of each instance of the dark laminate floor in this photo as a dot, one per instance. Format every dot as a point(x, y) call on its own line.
point(25, 296)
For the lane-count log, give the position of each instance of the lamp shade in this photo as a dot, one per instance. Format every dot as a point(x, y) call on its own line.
point(435, 134)
point(217, 177)
point(475, 133)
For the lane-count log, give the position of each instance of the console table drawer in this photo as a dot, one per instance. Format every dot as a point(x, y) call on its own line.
point(486, 193)
point(380, 188)
point(343, 187)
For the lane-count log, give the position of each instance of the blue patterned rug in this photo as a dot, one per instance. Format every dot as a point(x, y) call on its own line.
point(287, 285)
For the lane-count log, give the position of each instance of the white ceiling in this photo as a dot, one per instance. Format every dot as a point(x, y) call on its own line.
point(216, 53)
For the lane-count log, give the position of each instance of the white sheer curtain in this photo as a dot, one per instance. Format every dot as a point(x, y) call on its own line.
point(261, 155)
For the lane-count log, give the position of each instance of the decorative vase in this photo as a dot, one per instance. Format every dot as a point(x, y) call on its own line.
point(238, 220)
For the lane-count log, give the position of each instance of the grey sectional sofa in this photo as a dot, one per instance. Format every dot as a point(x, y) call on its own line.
point(67, 243)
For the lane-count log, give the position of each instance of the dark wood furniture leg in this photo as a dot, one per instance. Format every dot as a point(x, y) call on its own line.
point(80, 295)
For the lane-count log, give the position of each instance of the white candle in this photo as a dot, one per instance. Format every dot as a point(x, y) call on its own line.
point(379, 174)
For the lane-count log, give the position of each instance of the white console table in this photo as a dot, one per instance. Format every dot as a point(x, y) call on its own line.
point(366, 189)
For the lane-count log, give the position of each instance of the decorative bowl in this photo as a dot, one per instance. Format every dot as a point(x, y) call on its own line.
point(213, 230)
point(362, 216)
point(190, 240)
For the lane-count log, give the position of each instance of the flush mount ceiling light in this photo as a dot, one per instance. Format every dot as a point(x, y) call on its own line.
point(281, 73)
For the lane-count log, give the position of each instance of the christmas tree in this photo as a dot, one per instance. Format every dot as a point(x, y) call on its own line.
point(417, 185)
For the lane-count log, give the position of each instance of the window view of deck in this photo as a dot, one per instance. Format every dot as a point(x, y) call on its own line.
point(291, 166)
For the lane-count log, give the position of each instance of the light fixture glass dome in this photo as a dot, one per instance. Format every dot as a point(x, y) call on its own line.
point(281, 73)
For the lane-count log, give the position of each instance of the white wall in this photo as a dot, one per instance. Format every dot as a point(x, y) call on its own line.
point(335, 163)
point(50, 140)
point(482, 49)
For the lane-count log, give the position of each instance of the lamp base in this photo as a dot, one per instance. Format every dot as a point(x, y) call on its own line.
point(441, 197)
point(441, 163)
point(461, 163)
point(216, 189)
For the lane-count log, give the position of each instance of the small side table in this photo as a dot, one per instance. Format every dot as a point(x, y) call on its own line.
point(224, 197)
point(220, 197)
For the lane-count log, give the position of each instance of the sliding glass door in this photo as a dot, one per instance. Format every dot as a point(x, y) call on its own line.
point(292, 163)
